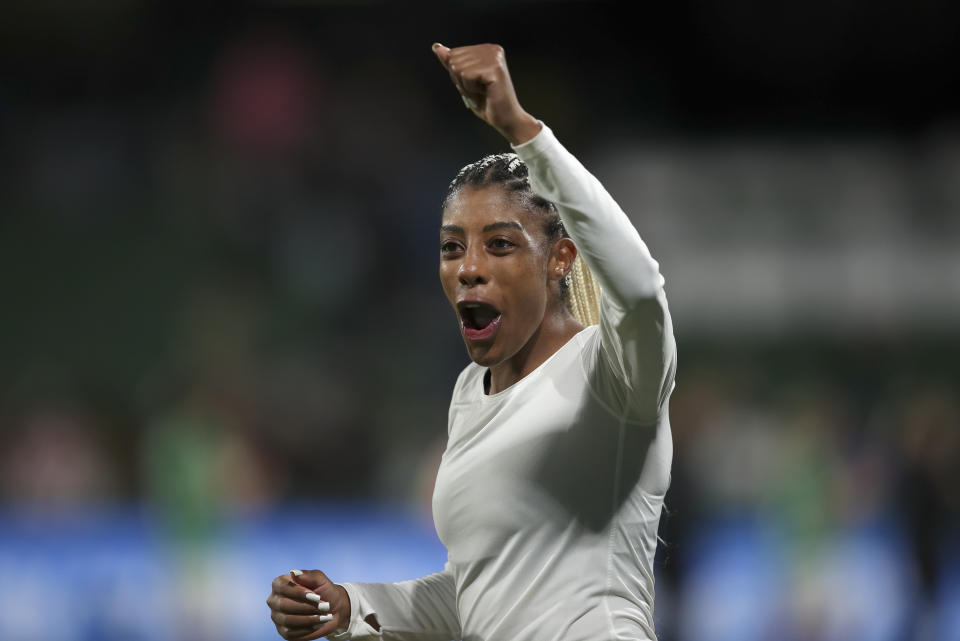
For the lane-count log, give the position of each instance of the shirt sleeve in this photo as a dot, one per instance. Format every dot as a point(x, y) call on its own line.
point(422, 609)
point(637, 356)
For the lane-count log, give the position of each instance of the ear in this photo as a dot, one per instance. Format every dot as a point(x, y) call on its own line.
point(562, 256)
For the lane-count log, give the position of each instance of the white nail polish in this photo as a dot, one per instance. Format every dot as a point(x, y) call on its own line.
point(323, 606)
point(468, 102)
point(316, 598)
point(323, 618)
point(296, 572)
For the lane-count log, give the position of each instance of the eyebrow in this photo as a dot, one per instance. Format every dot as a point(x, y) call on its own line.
point(506, 224)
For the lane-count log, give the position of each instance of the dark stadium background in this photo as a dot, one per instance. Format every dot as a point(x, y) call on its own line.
point(224, 351)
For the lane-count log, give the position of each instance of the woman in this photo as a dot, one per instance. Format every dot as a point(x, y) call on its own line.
point(558, 456)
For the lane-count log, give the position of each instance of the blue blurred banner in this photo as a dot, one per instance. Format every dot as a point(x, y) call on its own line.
point(122, 574)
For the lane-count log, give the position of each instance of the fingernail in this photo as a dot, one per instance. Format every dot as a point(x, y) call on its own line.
point(323, 618)
point(322, 605)
point(468, 102)
point(435, 45)
point(296, 572)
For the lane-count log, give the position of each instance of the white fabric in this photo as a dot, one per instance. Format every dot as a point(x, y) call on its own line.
point(549, 493)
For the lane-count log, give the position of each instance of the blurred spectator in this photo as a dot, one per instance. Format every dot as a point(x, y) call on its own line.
point(929, 430)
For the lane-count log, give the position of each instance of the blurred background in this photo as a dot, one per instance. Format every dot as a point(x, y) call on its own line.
point(224, 351)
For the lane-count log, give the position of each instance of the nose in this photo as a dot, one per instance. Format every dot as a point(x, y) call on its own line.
point(473, 269)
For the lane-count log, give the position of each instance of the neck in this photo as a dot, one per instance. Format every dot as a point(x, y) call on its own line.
point(553, 333)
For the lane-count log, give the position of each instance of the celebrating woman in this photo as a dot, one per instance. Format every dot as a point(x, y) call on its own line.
point(558, 456)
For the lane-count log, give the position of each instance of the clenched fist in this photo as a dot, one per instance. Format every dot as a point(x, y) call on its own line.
point(481, 76)
point(307, 605)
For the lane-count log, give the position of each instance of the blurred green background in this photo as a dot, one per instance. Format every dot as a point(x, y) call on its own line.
point(224, 351)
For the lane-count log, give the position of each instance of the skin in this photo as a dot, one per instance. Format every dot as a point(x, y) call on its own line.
point(512, 266)
point(480, 74)
point(296, 616)
point(493, 250)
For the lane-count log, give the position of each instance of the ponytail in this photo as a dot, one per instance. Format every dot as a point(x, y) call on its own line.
point(583, 293)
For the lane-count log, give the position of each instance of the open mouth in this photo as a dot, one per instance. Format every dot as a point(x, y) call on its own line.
point(478, 321)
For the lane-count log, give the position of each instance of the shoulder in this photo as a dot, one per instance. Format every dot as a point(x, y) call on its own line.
point(470, 378)
point(588, 343)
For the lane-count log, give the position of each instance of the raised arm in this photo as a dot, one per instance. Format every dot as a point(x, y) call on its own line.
point(638, 351)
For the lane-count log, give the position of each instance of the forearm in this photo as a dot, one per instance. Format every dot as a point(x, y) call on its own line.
point(421, 609)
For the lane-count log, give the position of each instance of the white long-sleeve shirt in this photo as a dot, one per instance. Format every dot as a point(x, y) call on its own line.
point(549, 493)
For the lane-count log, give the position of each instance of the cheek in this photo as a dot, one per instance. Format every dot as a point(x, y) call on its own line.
point(534, 272)
point(528, 286)
point(448, 280)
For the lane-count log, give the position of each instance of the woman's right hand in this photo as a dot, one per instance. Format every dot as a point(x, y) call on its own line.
point(307, 605)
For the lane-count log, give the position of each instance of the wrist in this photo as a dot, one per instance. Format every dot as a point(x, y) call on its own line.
point(345, 609)
point(523, 129)
point(353, 606)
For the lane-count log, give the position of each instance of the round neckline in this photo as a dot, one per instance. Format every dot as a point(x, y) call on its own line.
point(533, 374)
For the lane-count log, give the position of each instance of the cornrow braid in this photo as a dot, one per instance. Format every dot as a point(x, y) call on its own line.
point(579, 290)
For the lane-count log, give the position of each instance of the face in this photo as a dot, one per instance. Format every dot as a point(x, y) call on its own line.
point(494, 266)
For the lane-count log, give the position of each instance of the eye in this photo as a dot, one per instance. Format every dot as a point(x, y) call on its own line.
point(501, 244)
point(449, 247)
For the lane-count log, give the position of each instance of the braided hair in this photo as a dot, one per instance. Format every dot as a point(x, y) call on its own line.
point(579, 290)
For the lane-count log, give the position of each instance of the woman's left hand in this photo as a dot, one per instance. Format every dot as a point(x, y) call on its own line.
point(481, 76)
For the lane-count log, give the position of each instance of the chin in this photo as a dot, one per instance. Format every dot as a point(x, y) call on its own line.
point(483, 355)
point(480, 356)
